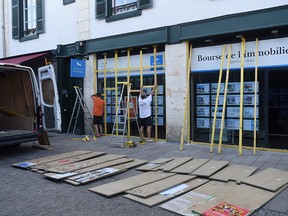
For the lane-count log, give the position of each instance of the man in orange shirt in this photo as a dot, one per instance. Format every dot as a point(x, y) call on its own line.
point(98, 109)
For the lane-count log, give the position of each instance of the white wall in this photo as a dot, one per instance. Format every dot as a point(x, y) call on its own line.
point(165, 13)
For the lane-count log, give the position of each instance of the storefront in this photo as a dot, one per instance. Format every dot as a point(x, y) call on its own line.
point(264, 98)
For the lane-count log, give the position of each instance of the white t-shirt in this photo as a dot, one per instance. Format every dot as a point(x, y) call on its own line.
point(144, 106)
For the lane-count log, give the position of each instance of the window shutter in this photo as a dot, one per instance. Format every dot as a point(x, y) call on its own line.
point(101, 9)
point(143, 4)
point(15, 19)
point(40, 16)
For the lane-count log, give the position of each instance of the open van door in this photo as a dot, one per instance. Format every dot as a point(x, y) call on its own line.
point(49, 98)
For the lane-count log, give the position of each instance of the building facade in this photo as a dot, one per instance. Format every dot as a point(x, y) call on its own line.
point(205, 56)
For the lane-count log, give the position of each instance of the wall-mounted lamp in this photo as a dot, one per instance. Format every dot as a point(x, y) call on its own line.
point(208, 41)
point(239, 36)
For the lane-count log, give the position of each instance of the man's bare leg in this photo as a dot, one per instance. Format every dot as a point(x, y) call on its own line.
point(141, 130)
point(149, 132)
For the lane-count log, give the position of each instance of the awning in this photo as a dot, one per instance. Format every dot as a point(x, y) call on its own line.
point(23, 58)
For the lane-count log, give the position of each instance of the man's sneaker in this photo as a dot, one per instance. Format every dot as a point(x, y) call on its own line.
point(142, 141)
point(149, 140)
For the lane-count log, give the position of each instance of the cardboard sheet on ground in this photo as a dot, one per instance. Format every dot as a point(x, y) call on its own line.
point(190, 166)
point(210, 195)
point(210, 168)
point(153, 164)
point(122, 185)
point(102, 173)
point(270, 179)
point(233, 173)
point(31, 163)
point(169, 193)
point(60, 176)
point(68, 160)
point(176, 162)
point(84, 164)
point(157, 186)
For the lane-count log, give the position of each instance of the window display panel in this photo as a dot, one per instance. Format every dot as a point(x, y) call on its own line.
point(203, 102)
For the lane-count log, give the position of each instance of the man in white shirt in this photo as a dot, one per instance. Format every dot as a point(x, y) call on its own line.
point(145, 113)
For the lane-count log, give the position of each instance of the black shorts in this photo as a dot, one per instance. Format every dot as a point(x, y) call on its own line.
point(97, 120)
point(145, 121)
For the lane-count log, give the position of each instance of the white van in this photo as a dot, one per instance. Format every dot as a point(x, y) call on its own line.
point(23, 101)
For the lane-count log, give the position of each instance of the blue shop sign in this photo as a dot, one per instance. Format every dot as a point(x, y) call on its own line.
point(159, 61)
point(77, 68)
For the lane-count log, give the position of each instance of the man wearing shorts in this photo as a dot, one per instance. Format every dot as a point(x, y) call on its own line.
point(98, 109)
point(145, 119)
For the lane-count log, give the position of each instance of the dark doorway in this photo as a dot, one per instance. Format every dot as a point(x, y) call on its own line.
point(278, 109)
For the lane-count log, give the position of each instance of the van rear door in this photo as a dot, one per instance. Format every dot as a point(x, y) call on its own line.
point(49, 98)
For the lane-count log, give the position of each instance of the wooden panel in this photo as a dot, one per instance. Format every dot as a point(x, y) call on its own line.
point(190, 166)
point(153, 164)
point(68, 160)
point(83, 164)
point(59, 176)
point(270, 179)
point(30, 163)
point(122, 185)
point(169, 193)
point(234, 173)
point(176, 162)
point(163, 184)
point(16, 123)
point(102, 173)
point(210, 168)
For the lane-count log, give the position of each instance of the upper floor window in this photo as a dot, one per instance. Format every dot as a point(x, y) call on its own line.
point(27, 19)
point(112, 10)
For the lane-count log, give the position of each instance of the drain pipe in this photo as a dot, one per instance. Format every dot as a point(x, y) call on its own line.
point(3, 30)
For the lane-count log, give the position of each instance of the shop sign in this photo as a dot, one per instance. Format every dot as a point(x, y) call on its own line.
point(77, 68)
point(271, 53)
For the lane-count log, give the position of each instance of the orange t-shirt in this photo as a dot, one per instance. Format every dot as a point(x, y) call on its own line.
point(98, 107)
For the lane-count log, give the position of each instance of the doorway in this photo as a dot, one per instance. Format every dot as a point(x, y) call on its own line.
point(278, 109)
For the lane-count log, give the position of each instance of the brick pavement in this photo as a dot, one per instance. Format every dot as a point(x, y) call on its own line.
point(25, 192)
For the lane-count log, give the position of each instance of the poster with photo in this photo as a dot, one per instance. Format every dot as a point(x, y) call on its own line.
point(218, 123)
point(220, 99)
point(203, 111)
point(233, 124)
point(249, 112)
point(219, 111)
point(249, 99)
point(203, 123)
point(233, 100)
point(108, 100)
point(160, 89)
point(160, 110)
point(248, 125)
point(108, 109)
point(234, 112)
point(108, 92)
point(249, 87)
point(203, 100)
point(109, 118)
point(160, 121)
point(214, 87)
point(233, 87)
point(203, 88)
point(160, 100)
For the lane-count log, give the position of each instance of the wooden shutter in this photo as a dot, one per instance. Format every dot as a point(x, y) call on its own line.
point(101, 9)
point(143, 4)
point(40, 16)
point(15, 19)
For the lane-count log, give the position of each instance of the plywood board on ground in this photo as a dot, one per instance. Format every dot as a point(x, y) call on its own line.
point(102, 173)
point(169, 193)
point(68, 160)
point(60, 176)
point(157, 186)
point(207, 196)
point(84, 164)
point(210, 168)
point(122, 185)
point(270, 179)
point(190, 166)
point(233, 173)
point(176, 162)
point(33, 162)
point(154, 164)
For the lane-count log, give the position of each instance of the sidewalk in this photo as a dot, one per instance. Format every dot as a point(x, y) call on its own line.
point(24, 192)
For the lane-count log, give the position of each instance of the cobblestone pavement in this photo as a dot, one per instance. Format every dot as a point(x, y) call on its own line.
point(24, 192)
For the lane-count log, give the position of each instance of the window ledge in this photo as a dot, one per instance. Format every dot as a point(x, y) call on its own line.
point(30, 37)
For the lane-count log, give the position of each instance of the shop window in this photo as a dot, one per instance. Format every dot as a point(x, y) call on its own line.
point(113, 10)
point(27, 19)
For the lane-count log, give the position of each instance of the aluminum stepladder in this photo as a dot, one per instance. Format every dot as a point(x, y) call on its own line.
point(80, 103)
point(122, 118)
